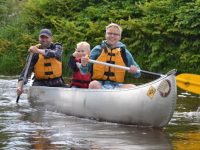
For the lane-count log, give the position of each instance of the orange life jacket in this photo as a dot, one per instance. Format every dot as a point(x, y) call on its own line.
point(102, 72)
point(47, 68)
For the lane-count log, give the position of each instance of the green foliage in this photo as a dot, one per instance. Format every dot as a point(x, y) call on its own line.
point(5, 45)
point(167, 35)
point(9, 64)
point(161, 34)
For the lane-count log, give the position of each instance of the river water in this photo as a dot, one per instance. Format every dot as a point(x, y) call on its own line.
point(24, 127)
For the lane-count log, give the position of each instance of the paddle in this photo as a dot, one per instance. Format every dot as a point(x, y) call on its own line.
point(25, 74)
point(189, 82)
point(123, 67)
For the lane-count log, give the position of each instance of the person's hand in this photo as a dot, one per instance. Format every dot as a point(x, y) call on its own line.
point(33, 49)
point(133, 69)
point(75, 54)
point(19, 89)
point(84, 61)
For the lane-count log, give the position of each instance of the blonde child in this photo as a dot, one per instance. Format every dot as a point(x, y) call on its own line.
point(79, 80)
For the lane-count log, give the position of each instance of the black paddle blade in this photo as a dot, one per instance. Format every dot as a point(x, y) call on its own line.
point(17, 98)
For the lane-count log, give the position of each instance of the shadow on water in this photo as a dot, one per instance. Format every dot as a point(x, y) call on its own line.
point(25, 127)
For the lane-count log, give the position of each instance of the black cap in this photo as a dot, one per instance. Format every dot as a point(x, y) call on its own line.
point(45, 32)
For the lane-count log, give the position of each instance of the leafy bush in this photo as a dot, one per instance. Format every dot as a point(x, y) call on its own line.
point(161, 35)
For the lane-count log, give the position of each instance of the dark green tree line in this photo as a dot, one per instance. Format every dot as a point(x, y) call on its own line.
point(161, 35)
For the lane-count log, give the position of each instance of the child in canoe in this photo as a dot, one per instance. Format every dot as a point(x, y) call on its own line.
point(79, 80)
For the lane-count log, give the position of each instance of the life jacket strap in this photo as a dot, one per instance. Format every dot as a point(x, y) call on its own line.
point(49, 73)
point(109, 74)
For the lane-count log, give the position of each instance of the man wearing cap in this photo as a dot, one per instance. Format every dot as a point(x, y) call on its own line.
point(46, 63)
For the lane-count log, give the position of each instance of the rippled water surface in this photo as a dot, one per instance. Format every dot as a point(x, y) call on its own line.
point(25, 127)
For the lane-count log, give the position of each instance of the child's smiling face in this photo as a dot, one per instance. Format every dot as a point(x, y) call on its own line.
point(82, 51)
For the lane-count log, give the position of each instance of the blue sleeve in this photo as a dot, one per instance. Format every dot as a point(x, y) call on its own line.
point(131, 61)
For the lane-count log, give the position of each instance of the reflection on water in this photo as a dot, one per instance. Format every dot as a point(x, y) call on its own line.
point(189, 141)
point(25, 127)
point(83, 133)
point(184, 127)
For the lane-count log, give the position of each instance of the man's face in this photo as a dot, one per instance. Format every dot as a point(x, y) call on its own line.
point(45, 41)
point(113, 36)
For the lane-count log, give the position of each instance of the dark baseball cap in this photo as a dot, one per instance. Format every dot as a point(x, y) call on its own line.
point(45, 32)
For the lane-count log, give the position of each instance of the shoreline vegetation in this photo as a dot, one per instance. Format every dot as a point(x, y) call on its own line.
point(161, 34)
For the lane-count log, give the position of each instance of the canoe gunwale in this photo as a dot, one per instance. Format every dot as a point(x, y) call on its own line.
point(83, 107)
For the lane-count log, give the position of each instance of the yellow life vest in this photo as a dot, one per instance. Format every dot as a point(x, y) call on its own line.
point(102, 72)
point(47, 68)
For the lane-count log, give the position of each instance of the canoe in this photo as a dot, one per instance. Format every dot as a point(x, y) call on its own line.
point(150, 104)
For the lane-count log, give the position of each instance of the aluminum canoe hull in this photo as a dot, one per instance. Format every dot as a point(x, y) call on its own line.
point(151, 104)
